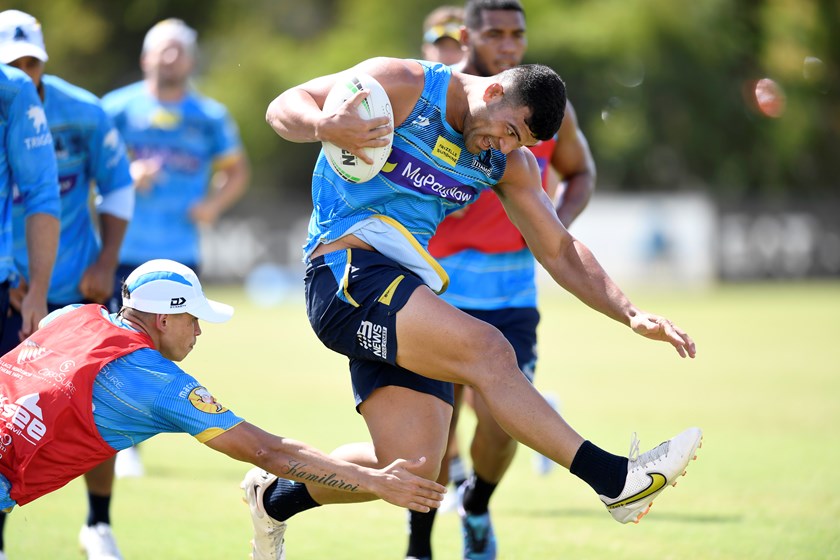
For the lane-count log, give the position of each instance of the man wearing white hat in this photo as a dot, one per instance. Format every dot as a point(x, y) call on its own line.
point(124, 365)
point(90, 155)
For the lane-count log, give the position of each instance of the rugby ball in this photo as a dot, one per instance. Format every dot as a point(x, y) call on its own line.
point(348, 166)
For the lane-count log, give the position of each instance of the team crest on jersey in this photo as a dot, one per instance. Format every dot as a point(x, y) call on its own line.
point(483, 162)
point(31, 351)
point(205, 402)
point(447, 151)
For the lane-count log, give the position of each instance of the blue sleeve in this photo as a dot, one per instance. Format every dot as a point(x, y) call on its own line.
point(188, 407)
point(108, 161)
point(31, 154)
point(226, 139)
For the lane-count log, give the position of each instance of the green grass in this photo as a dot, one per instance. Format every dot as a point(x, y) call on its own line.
point(765, 388)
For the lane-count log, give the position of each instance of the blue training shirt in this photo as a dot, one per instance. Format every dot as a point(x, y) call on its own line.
point(188, 137)
point(26, 158)
point(490, 281)
point(428, 174)
point(87, 148)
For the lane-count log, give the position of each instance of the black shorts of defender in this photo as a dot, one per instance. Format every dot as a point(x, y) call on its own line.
point(363, 328)
point(519, 326)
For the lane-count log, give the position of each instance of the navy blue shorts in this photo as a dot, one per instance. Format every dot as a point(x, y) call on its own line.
point(519, 325)
point(352, 299)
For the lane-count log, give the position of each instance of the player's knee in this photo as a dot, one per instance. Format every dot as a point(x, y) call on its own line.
point(488, 356)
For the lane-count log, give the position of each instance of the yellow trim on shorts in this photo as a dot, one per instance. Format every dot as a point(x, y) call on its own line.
point(389, 292)
point(345, 280)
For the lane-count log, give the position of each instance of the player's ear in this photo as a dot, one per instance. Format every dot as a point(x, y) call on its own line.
point(161, 321)
point(494, 92)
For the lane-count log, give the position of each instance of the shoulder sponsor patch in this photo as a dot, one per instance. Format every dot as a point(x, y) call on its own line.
point(447, 151)
point(204, 401)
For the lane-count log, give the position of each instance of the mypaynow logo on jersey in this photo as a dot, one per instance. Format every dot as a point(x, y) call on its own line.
point(412, 173)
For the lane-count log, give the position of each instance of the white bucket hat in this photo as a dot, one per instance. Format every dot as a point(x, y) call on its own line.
point(168, 287)
point(20, 35)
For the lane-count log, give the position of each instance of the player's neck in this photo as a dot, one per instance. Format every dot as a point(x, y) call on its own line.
point(166, 91)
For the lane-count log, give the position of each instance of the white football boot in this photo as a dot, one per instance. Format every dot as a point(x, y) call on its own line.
point(98, 542)
point(268, 542)
point(650, 473)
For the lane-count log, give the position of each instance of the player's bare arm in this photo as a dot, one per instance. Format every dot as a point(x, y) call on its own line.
point(231, 176)
point(97, 282)
point(573, 161)
point(294, 460)
point(42, 246)
point(296, 114)
point(570, 263)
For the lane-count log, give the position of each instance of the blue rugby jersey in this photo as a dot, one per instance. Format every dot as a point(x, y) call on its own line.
point(428, 174)
point(143, 394)
point(26, 158)
point(489, 281)
point(188, 136)
point(87, 147)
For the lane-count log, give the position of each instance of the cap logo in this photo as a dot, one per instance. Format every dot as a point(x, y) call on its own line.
point(177, 302)
point(20, 34)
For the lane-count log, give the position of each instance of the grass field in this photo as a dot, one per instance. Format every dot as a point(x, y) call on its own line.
point(765, 388)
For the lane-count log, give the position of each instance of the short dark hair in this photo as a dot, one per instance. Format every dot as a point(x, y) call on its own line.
point(539, 88)
point(474, 8)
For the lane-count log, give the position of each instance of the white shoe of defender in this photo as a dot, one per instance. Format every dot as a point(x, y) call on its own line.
point(268, 542)
point(98, 542)
point(649, 473)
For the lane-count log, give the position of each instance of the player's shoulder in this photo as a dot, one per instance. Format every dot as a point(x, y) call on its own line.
point(75, 102)
point(71, 92)
point(197, 102)
point(12, 82)
point(12, 75)
point(521, 168)
point(119, 98)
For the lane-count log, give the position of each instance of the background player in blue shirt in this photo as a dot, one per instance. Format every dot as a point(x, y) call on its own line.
point(492, 273)
point(88, 150)
point(27, 161)
point(187, 159)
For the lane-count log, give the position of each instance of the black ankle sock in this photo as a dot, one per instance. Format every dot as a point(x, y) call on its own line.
point(285, 498)
point(477, 495)
point(99, 509)
point(604, 472)
point(420, 533)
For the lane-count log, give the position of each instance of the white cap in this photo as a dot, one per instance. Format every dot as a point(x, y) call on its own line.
point(168, 287)
point(20, 35)
point(167, 29)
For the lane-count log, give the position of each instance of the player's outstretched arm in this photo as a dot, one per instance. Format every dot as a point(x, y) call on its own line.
point(295, 460)
point(570, 263)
